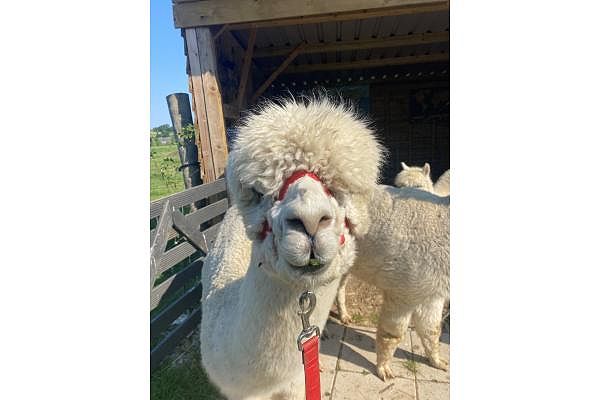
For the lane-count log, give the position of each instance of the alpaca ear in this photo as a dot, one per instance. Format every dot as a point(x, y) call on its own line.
point(426, 169)
point(234, 188)
point(404, 166)
point(357, 214)
point(238, 194)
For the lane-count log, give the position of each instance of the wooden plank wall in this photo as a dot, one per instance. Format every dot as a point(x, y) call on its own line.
point(175, 296)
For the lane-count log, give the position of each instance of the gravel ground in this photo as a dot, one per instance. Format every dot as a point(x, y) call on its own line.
point(363, 302)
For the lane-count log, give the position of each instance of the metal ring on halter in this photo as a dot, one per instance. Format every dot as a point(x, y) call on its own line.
point(308, 330)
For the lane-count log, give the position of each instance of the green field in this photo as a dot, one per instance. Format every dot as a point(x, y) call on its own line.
point(171, 181)
point(185, 380)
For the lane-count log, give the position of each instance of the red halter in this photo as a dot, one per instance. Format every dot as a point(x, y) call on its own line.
point(297, 175)
point(282, 192)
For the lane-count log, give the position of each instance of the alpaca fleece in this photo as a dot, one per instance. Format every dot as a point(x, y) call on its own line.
point(442, 186)
point(250, 289)
point(406, 254)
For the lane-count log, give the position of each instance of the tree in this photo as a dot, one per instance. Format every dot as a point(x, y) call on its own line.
point(164, 130)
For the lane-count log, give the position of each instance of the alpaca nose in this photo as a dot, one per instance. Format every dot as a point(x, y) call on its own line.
point(311, 222)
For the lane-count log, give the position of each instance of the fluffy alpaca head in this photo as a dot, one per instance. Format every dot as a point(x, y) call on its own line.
point(310, 228)
point(415, 177)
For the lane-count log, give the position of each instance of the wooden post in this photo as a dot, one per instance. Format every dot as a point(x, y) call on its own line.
point(206, 95)
point(181, 116)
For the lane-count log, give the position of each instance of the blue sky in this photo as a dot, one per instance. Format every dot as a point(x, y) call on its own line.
point(167, 61)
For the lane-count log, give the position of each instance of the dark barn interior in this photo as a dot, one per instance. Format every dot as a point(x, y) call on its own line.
point(391, 62)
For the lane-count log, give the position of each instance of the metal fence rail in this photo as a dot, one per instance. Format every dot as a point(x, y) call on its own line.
point(179, 242)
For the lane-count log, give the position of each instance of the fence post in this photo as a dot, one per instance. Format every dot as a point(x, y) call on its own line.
point(181, 116)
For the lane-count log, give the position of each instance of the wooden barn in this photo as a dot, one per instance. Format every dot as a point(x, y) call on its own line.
point(390, 57)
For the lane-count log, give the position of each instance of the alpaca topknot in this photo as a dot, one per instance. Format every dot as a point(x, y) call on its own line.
point(316, 134)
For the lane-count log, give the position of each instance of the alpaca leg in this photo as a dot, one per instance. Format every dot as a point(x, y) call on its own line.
point(341, 301)
point(391, 330)
point(295, 391)
point(285, 395)
point(428, 323)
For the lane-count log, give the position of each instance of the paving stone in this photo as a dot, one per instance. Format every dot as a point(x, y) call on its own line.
point(433, 390)
point(329, 349)
point(358, 353)
point(424, 370)
point(356, 377)
point(356, 385)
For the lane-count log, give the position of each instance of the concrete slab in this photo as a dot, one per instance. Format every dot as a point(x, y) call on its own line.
point(433, 390)
point(358, 353)
point(356, 385)
point(424, 371)
point(352, 375)
point(329, 351)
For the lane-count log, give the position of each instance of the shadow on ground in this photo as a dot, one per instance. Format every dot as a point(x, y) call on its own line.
point(365, 342)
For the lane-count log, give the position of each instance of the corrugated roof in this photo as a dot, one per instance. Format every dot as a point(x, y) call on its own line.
point(345, 31)
point(353, 30)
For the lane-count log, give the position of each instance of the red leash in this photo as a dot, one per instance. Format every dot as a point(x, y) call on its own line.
point(308, 344)
point(312, 378)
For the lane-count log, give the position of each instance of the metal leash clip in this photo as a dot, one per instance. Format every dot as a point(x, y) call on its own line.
point(307, 302)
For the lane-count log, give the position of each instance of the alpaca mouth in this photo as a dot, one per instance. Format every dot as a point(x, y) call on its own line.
point(314, 266)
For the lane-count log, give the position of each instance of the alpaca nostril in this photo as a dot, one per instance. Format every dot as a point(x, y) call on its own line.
point(309, 225)
point(325, 221)
point(296, 223)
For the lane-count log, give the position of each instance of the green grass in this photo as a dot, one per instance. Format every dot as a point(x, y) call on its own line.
point(358, 318)
point(158, 187)
point(184, 381)
point(411, 365)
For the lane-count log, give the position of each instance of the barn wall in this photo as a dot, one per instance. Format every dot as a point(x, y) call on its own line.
point(414, 124)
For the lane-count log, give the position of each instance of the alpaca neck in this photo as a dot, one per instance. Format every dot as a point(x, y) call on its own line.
point(268, 321)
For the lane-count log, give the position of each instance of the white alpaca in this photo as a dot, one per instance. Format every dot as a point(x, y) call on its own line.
point(415, 177)
point(264, 255)
point(442, 185)
point(405, 254)
point(420, 178)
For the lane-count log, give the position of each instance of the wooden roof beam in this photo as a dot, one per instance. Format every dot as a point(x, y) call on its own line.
point(380, 62)
point(220, 31)
point(393, 41)
point(277, 72)
point(244, 14)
